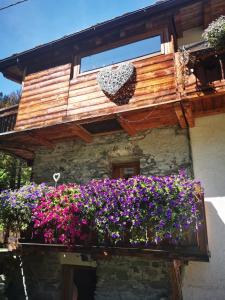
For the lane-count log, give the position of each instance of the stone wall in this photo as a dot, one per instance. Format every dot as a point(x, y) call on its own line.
point(132, 278)
point(160, 152)
point(118, 277)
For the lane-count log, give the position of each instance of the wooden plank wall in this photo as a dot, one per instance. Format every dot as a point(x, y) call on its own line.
point(50, 97)
point(155, 83)
point(199, 14)
point(212, 10)
point(44, 98)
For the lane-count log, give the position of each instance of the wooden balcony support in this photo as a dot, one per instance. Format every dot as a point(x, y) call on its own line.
point(19, 151)
point(176, 279)
point(180, 115)
point(79, 131)
point(128, 127)
point(36, 137)
point(187, 107)
point(184, 114)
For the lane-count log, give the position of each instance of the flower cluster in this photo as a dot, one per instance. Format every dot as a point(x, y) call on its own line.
point(142, 209)
point(137, 211)
point(16, 205)
point(59, 217)
point(214, 34)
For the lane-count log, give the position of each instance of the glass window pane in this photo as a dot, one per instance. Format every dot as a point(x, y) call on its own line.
point(119, 54)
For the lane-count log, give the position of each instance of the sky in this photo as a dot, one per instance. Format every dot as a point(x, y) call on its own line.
point(36, 22)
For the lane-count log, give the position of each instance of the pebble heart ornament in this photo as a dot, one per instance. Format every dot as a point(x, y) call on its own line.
point(111, 80)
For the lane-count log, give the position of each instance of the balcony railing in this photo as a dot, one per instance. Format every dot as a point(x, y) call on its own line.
point(8, 118)
point(201, 71)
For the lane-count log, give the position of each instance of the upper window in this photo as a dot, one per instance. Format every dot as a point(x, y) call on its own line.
point(120, 54)
point(126, 170)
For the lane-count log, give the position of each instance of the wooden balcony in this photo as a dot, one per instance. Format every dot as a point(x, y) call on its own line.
point(201, 78)
point(8, 117)
point(193, 247)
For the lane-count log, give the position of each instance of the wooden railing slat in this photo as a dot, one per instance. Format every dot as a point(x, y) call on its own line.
point(8, 118)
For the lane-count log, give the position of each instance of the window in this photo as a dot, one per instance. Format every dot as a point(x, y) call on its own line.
point(126, 170)
point(120, 54)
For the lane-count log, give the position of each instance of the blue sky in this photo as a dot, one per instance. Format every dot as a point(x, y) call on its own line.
point(39, 21)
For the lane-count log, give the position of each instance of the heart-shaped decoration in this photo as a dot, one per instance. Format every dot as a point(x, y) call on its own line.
point(112, 80)
point(56, 177)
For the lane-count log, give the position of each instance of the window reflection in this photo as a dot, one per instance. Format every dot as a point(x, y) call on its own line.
point(122, 53)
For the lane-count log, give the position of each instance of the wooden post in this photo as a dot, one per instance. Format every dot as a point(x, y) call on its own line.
point(180, 115)
point(67, 280)
point(176, 280)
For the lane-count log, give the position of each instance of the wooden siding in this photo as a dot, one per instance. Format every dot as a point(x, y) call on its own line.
point(155, 83)
point(44, 98)
point(199, 14)
point(50, 97)
point(212, 10)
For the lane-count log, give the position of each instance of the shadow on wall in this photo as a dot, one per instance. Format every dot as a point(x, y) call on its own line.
point(207, 280)
point(11, 283)
point(216, 229)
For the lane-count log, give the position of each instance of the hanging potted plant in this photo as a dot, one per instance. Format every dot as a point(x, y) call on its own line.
point(214, 34)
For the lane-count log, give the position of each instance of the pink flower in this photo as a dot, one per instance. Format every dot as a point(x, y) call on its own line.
point(84, 222)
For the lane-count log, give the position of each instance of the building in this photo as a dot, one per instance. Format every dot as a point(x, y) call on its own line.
point(162, 111)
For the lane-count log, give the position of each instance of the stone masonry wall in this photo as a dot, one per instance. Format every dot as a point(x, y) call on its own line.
point(131, 278)
point(160, 151)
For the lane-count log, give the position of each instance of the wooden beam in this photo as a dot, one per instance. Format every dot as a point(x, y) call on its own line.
point(170, 254)
point(176, 280)
point(36, 137)
point(128, 127)
point(187, 108)
point(16, 145)
point(81, 133)
point(22, 153)
point(180, 115)
point(211, 112)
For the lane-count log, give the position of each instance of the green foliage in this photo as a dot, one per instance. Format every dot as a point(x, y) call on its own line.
point(214, 34)
point(14, 172)
point(16, 205)
point(9, 100)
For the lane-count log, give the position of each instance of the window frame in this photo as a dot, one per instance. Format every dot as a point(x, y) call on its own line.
point(132, 164)
point(162, 32)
